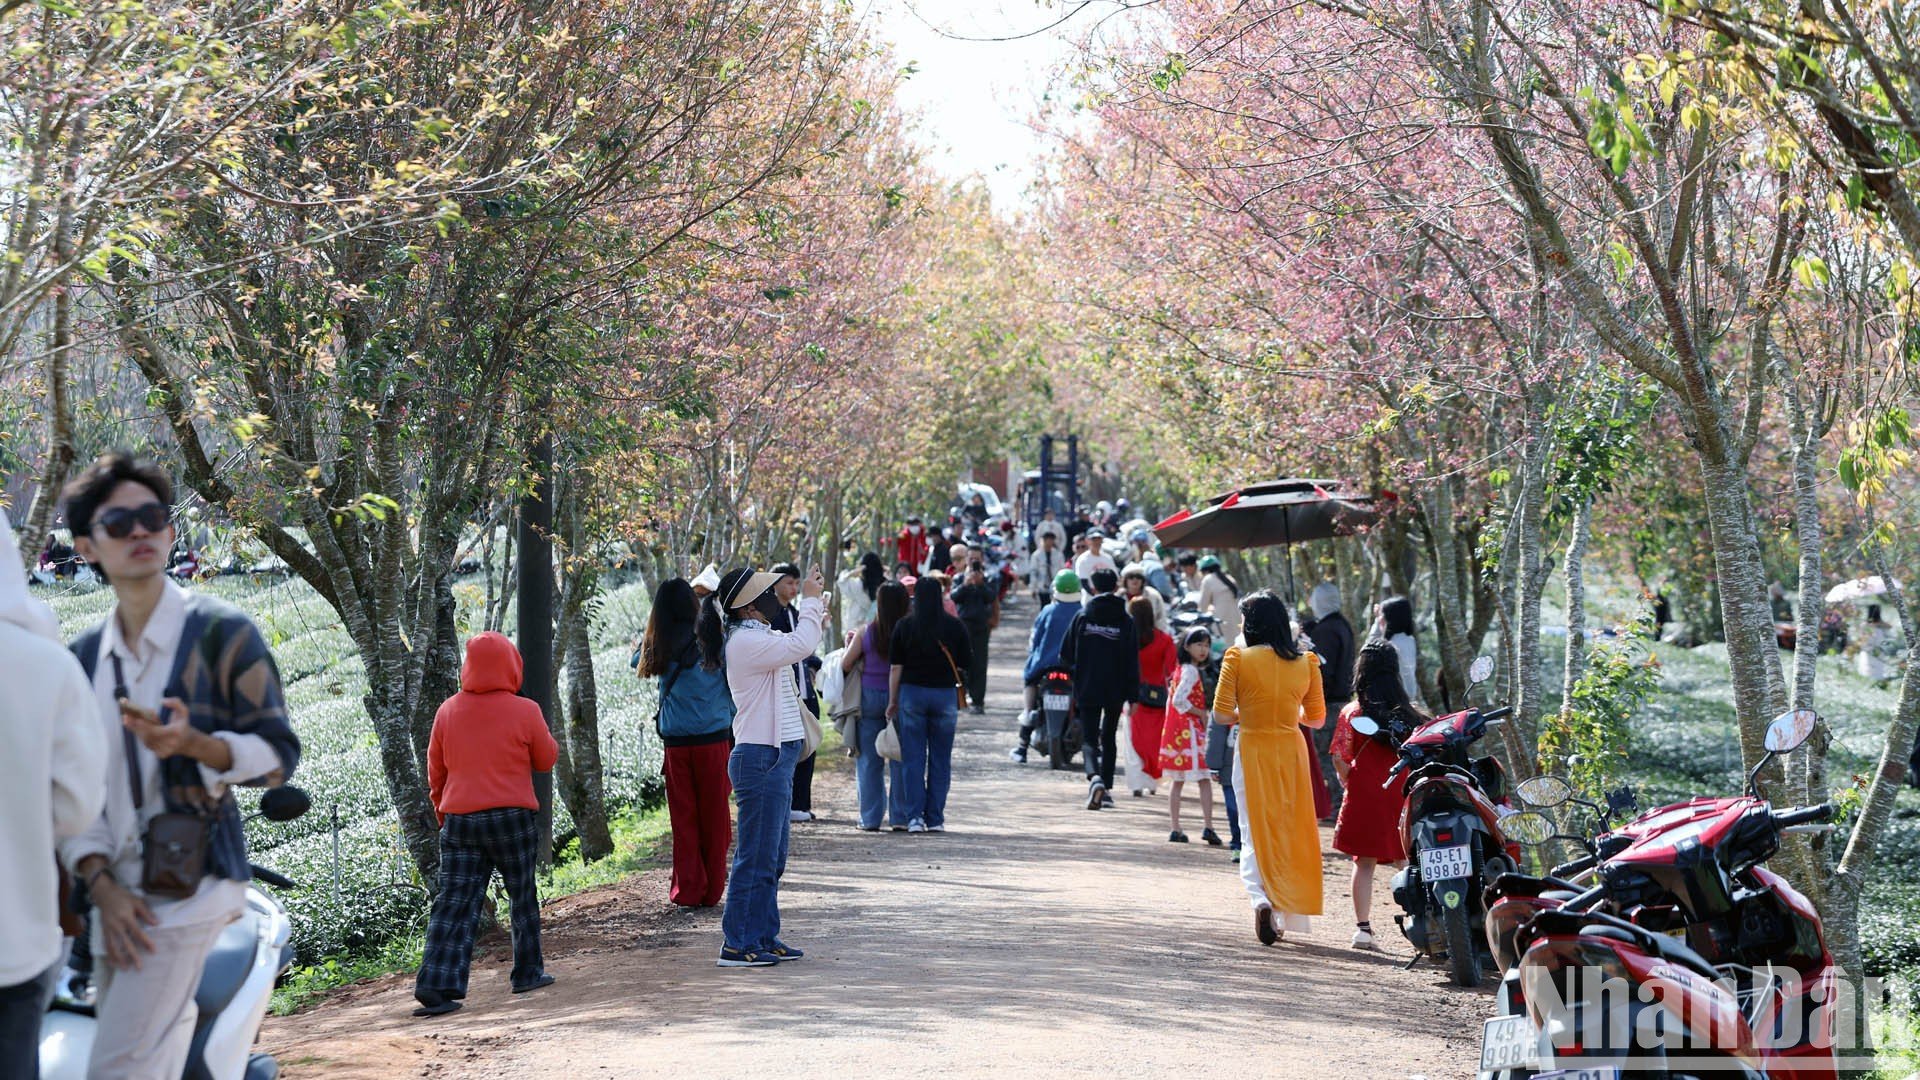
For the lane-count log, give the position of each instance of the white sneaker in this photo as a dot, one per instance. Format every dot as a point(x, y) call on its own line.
point(1363, 939)
point(916, 825)
point(936, 828)
point(799, 815)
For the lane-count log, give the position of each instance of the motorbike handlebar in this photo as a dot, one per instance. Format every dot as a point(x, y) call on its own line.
point(1806, 815)
point(262, 874)
point(1576, 867)
point(1500, 713)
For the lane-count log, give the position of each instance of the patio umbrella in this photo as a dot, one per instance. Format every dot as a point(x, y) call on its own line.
point(1278, 512)
point(1857, 589)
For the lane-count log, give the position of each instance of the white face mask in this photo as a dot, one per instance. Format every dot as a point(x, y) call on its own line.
point(914, 529)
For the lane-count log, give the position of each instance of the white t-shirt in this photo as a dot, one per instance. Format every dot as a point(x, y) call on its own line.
point(1088, 562)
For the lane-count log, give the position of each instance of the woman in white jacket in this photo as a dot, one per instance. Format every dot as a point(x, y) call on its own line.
point(769, 737)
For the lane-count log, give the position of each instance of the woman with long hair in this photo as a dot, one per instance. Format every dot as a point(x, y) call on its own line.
point(926, 658)
point(695, 721)
point(859, 589)
point(1393, 624)
point(1269, 689)
point(736, 634)
point(1369, 825)
point(869, 650)
point(1220, 596)
point(1147, 719)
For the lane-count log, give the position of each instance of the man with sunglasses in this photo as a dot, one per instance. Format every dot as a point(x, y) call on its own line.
point(190, 701)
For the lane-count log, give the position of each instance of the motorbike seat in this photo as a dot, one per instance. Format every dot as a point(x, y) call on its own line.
point(1667, 948)
point(227, 966)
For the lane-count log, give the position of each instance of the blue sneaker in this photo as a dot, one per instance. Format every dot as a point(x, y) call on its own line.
point(740, 958)
point(782, 951)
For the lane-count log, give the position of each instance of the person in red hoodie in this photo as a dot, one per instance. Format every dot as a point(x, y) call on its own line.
point(487, 743)
point(913, 544)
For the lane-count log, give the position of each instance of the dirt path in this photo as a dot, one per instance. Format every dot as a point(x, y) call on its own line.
point(1034, 938)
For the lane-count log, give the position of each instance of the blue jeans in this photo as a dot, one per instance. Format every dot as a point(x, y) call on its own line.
point(762, 779)
point(1233, 807)
point(869, 768)
point(928, 721)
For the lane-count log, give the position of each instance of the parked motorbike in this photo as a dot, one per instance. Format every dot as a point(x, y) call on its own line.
point(1450, 824)
point(236, 985)
point(1058, 736)
point(1722, 967)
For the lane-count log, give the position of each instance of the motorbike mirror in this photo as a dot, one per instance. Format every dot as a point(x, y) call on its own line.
point(1622, 799)
point(1544, 790)
point(1790, 729)
point(1528, 827)
point(1364, 725)
point(284, 803)
point(1480, 671)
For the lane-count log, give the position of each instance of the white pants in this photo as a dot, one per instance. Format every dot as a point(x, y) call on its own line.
point(1137, 778)
point(1287, 921)
point(146, 1015)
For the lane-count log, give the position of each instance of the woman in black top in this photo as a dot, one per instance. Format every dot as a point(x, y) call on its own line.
point(928, 652)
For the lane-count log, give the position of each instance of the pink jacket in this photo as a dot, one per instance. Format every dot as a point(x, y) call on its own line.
point(760, 668)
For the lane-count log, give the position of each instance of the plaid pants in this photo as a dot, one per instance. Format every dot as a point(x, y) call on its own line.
point(472, 846)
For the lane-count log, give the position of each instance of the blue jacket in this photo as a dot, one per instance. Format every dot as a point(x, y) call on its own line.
point(695, 705)
point(1049, 631)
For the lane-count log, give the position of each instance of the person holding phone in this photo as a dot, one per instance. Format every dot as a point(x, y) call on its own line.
point(190, 701)
point(736, 635)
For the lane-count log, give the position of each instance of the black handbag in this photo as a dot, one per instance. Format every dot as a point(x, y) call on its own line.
point(173, 850)
point(1151, 696)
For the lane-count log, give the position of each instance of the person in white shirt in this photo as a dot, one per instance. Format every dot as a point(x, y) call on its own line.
point(1047, 525)
point(1043, 565)
point(52, 784)
point(1095, 557)
point(736, 633)
point(176, 737)
point(1220, 595)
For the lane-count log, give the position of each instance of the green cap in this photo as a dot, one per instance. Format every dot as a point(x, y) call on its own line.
point(1209, 563)
point(1066, 585)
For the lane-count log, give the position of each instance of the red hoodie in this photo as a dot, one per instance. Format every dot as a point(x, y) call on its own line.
point(487, 740)
point(913, 548)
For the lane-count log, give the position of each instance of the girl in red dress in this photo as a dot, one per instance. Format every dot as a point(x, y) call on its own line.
point(1183, 744)
point(1369, 825)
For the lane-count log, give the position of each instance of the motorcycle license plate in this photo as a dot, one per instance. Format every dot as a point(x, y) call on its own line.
point(1607, 1073)
point(1056, 702)
point(1442, 864)
point(1511, 1042)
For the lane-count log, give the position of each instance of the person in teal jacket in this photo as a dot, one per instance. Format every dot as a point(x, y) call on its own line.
point(695, 722)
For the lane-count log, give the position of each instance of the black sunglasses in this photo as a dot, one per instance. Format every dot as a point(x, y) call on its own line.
point(119, 521)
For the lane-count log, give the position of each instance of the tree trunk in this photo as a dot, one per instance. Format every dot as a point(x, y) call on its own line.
point(53, 472)
point(1811, 783)
point(1575, 571)
point(582, 783)
point(1848, 882)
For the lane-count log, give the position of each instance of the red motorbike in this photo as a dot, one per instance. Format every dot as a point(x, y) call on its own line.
point(1450, 823)
point(1686, 956)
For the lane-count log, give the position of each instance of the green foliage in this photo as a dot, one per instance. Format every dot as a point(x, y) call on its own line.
point(1594, 725)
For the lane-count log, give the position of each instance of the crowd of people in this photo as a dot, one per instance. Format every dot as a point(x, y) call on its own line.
point(1178, 678)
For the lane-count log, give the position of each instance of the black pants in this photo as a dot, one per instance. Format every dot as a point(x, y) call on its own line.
point(472, 846)
point(1099, 727)
point(21, 1007)
point(803, 772)
point(977, 637)
point(1323, 755)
